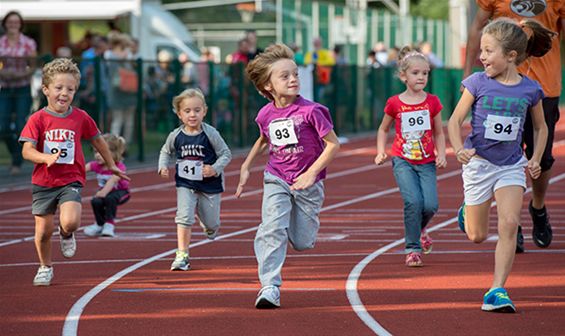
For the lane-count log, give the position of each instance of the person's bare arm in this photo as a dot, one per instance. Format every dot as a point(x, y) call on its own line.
point(439, 139)
point(382, 134)
point(474, 40)
point(540, 139)
point(30, 153)
point(308, 178)
point(102, 147)
point(259, 146)
point(454, 127)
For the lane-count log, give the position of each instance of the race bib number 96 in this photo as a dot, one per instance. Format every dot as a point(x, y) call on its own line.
point(66, 148)
point(415, 121)
point(281, 132)
point(191, 170)
point(502, 128)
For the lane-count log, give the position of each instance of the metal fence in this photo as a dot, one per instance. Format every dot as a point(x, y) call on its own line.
point(355, 96)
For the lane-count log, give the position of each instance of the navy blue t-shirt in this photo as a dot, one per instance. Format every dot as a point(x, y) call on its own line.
point(196, 147)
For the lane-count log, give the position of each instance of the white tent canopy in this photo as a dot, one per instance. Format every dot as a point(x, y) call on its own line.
point(68, 9)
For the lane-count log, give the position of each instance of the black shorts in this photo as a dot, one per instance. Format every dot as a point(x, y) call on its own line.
point(551, 114)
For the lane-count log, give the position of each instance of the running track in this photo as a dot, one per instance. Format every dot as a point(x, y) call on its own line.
point(353, 282)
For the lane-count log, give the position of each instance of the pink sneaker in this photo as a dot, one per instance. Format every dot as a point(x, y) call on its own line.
point(414, 259)
point(426, 242)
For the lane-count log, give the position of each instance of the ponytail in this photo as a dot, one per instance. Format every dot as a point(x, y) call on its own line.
point(539, 38)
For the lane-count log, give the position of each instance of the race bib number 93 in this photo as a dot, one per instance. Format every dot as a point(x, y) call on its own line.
point(281, 132)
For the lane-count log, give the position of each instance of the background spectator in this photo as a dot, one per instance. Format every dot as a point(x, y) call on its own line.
point(381, 53)
point(242, 52)
point(338, 55)
point(251, 37)
point(17, 55)
point(426, 49)
point(298, 55)
point(121, 100)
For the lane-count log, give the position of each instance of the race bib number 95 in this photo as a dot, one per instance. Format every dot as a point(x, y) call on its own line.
point(66, 148)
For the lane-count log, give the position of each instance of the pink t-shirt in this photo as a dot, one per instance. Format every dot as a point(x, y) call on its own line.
point(50, 131)
point(103, 175)
point(295, 136)
point(14, 57)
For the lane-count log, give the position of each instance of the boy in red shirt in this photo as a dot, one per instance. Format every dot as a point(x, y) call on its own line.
point(51, 140)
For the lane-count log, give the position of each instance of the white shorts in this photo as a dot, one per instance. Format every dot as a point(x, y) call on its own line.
point(482, 178)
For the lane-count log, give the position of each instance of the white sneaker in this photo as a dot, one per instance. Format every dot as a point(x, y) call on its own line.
point(269, 297)
point(181, 262)
point(68, 246)
point(108, 230)
point(93, 230)
point(44, 276)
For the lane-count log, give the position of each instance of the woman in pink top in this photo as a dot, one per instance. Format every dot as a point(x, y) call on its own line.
point(17, 53)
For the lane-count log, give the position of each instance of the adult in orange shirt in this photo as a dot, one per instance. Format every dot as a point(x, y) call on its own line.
point(547, 71)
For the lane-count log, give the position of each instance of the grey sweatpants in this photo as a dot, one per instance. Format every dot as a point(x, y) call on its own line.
point(287, 215)
point(207, 206)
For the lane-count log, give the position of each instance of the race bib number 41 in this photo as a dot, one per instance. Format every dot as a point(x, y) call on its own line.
point(191, 170)
point(502, 128)
point(66, 148)
point(415, 121)
point(281, 132)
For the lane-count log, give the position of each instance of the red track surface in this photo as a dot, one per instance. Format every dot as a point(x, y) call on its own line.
point(216, 297)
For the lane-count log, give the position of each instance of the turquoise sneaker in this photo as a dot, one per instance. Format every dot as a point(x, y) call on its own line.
point(461, 217)
point(497, 300)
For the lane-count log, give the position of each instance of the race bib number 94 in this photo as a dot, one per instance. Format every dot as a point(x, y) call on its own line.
point(281, 132)
point(191, 170)
point(415, 121)
point(502, 128)
point(66, 148)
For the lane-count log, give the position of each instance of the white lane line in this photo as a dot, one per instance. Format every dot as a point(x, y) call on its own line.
point(171, 209)
point(355, 274)
point(70, 327)
point(290, 256)
point(143, 170)
point(214, 289)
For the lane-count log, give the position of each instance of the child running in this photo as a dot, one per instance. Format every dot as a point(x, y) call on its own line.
point(113, 190)
point(419, 133)
point(301, 143)
point(52, 141)
point(493, 160)
point(201, 155)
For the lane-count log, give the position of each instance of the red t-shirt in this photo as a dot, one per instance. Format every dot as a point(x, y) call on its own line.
point(414, 126)
point(49, 132)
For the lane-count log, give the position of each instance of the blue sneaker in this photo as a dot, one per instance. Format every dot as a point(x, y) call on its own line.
point(461, 217)
point(497, 300)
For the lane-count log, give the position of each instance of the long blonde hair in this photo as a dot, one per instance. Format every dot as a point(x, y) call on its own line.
point(117, 146)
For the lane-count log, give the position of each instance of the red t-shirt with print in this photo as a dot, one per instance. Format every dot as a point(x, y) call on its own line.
point(49, 132)
point(414, 124)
